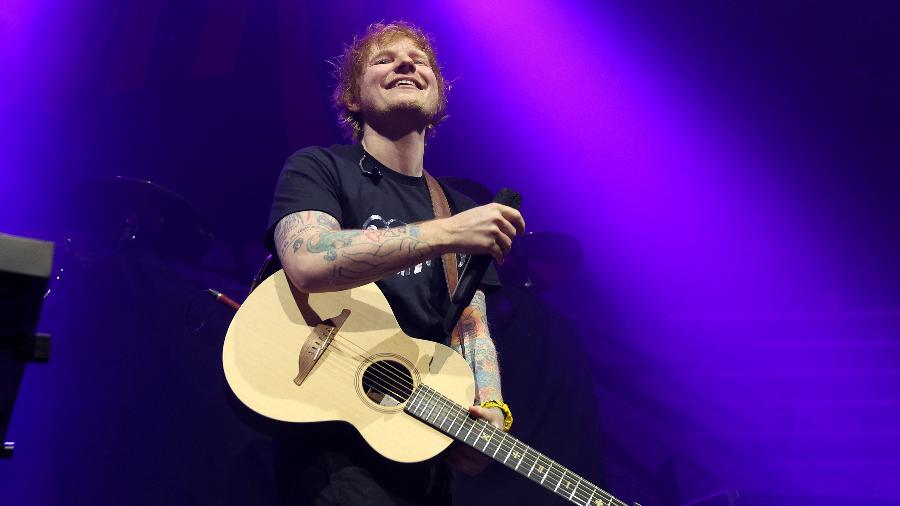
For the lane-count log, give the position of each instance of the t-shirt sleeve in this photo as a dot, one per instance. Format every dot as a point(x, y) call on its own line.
point(459, 202)
point(308, 182)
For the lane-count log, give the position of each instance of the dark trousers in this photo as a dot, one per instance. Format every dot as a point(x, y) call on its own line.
point(330, 464)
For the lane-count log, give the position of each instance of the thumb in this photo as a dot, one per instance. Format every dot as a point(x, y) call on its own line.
point(486, 414)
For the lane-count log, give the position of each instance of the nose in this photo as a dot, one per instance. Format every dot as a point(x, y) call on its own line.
point(405, 64)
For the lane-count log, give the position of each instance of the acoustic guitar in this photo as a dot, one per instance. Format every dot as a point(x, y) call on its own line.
point(341, 356)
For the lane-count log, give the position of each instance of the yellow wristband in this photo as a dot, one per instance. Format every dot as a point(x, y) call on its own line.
point(507, 414)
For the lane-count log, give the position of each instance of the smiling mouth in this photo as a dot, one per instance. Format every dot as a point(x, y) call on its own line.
point(405, 83)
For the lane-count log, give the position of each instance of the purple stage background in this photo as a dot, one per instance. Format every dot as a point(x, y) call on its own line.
point(730, 170)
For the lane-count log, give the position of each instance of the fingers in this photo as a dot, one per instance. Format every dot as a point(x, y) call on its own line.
point(468, 460)
point(494, 416)
point(509, 223)
point(497, 253)
point(507, 234)
point(504, 242)
point(486, 229)
point(513, 216)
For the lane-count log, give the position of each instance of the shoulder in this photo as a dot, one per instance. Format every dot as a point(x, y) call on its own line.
point(334, 156)
point(459, 202)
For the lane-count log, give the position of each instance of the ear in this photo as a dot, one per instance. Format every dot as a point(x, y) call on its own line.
point(353, 106)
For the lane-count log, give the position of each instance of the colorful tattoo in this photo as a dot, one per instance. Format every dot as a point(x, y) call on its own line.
point(357, 255)
point(478, 349)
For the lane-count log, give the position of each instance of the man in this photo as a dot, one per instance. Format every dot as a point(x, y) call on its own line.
point(352, 214)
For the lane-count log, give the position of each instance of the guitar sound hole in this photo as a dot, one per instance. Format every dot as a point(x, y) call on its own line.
point(387, 383)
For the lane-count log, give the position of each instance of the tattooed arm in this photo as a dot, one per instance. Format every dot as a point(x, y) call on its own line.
point(482, 357)
point(319, 257)
point(479, 349)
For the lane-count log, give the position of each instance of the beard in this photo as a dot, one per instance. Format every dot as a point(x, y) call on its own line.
point(402, 114)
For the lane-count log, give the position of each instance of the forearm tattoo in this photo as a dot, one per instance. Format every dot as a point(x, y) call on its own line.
point(478, 348)
point(353, 255)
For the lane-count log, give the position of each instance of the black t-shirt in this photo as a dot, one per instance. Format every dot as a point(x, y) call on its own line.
point(332, 180)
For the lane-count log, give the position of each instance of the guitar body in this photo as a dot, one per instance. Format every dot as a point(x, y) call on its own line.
point(362, 376)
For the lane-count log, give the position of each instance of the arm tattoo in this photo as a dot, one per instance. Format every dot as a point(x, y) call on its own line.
point(480, 352)
point(353, 255)
point(290, 230)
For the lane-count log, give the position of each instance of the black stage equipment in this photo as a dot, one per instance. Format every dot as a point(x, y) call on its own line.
point(25, 266)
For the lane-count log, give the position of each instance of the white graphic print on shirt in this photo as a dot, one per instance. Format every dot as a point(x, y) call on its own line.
point(376, 222)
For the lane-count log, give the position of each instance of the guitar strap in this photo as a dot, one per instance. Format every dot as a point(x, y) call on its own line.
point(442, 210)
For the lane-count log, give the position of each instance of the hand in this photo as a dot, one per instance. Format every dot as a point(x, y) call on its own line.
point(467, 460)
point(485, 229)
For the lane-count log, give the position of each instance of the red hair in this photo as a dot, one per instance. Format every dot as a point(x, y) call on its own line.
point(350, 65)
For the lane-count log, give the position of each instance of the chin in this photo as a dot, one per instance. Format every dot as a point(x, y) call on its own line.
point(405, 112)
point(412, 109)
point(408, 105)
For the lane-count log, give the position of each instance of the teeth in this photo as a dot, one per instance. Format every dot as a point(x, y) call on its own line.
point(404, 81)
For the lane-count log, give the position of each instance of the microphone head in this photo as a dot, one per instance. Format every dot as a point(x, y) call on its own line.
point(508, 197)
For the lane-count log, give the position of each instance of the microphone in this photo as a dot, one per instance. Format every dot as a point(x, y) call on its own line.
point(374, 173)
point(475, 268)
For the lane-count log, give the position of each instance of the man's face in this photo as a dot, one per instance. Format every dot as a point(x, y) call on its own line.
point(397, 77)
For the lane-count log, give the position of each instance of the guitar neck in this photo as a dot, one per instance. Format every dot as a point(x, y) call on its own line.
point(438, 411)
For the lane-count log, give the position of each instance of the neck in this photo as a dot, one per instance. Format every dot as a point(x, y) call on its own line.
point(404, 153)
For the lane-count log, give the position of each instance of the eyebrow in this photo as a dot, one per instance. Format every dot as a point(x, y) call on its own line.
point(414, 52)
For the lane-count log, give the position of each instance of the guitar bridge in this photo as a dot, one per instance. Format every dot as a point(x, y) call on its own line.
point(316, 344)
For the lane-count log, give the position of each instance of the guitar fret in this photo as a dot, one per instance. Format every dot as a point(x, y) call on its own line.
point(453, 417)
point(546, 473)
point(423, 403)
point(439, 404)
point(512, 444)
point(499, 443)
point(471, 426)
point(445, 415)
point(576, 488)
point(481, 436)
point(446, 409)
point(462, 423)
point(415, 399)
point(510, 452)
point(532, 467)
point(435, 407)
point(428, 416)
point(563, 479)
point(452, 420)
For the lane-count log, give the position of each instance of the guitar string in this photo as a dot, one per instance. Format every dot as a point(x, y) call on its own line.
point(378, 371)
point(404, 381)
point(512, 445)
point(362, 353)
point(447, 409)
point(559, 476)
point(382, 381)
point(450, 409)
point(582, 496)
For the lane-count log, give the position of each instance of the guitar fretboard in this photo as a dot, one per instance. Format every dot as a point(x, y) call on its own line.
point(443, 414)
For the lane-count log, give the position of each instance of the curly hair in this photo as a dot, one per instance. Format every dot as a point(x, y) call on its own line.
point(350, 65)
